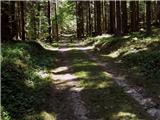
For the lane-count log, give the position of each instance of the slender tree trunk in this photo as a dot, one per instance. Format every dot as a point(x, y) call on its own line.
point(158, 13)
point(105, 16)
point(112, 17)
point(124, 17)
point(134, 12)
point(99, 29)
point(87, 17)
point(118, 18)
point(90, 19)
point(95, 18)
point(80, 19)
point(137, 16)
point(56, 23)
point(132, 15)
point(49, 22)
point(5, 30)
point(148, 17)
point(38, 14)
point(33, 22)
point(22, 19)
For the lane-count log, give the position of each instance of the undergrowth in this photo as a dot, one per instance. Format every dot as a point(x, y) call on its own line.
point(25, 80)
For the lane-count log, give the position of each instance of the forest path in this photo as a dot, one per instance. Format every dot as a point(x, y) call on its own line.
point(65, 78)
point(74, 107)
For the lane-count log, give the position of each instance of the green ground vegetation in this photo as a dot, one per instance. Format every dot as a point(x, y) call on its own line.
point(25, 80)
point(136, 55)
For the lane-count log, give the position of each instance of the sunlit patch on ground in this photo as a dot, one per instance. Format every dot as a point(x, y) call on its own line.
point(60, 69)
point(82, 74)
point(48, 116)
point(76, 48)
point(29, 83)
point(42, 73)
point(124, 116)
point(103, 36)
point(64, 77)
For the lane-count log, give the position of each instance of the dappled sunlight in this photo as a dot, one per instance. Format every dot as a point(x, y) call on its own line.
point(85, 63)
point(104, 36)
point(29, 83)
point(48, 116)
point(112, 54)
point(42, 73)
point(76, 48)
point(60, 69)
point(124, 116)
point(82, 74)
point(64, 77)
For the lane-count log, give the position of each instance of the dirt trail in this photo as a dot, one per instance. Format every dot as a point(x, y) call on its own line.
point(64, 79)
point(139, 94)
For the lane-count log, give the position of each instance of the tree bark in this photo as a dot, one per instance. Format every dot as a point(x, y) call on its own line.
point(148, 17)
point(98, 12)
point(124, 17)
point(90, 19)
point(22, 19)
point(49, 22)
point(112, 17)
point(134, 12)
point(80, 19)
point(158, 13)
point(118, 18)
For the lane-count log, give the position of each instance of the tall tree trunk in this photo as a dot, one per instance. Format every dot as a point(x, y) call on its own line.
point(56, 23)
point(148, 17)
point(18, 24)
point(87, 17)
point(5, 30)
point(38, 14)
point(98, 11)
point(112, 17)
point(134, 14)
point(105, 16)
point(158, 13)
point(33, 21)
point(80, 19)
point(137, 16)
point(22, 19)
point(95, 19)
point(118, 18)
point(13, 19)
point(124, 17)
point(90, 19)
point(49, 22)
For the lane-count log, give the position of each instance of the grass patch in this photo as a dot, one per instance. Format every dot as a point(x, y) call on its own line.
point(25, 79)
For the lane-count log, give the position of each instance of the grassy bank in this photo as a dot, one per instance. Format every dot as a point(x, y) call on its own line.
point(136, 56)
point(25, 80)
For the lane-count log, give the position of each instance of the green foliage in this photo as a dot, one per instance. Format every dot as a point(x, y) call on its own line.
point(66, 16)
point(5, 114)
point(25, 80)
